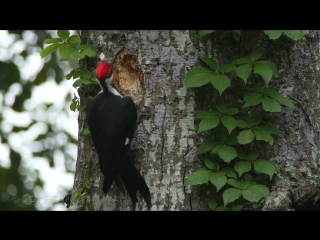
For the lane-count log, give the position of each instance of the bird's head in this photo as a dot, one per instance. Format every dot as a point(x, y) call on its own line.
point(104, 71)
point(105, 76)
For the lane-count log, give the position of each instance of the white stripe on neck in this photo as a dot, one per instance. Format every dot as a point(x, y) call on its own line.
point(111, 89)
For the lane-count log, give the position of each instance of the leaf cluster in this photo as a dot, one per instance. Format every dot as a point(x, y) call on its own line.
point(225, 164)
point(69, 47)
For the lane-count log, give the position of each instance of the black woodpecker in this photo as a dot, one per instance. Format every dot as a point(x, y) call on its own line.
point(112, 121)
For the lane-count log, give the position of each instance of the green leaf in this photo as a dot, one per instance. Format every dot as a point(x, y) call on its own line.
point(257, 89)
point(211, 164)
point(218, 180)
point(213, 64)
point(206, 146)
point(255, 56)
point(201, 176)
point(273, 34)
point(73, 51)
point(77, 83)
point(53, 40)
point(48, 50)
point(230, 195)
point(76, 73)
point(207, 114)
point(81, 81)
point(89, 52)
point(253, 154)
point(247, 184)
point(80, 108)
point(229, 122)
point(264, 71)
point(83, 47)
point(235, 183)
point(86, 132)
point(228, 68)
point(86, 81)
point(236, 207)
point(237, 31)
point(264, 136)
point(231, 141)
point(85, 74)
point(252, 99)
point(220, 82)
point(198, 76)
point(245, 136)
point(222, 208)
point(285, 101)
point(76, 55)
point(93, 81)
point(212, 203)
point(63, 34)
point(255, 193)
point(205, 32)
point(269, 128)
point(208, 123)
point(241, 61)
point(236, 35)
point(221, 134)
point(221, 107)
point(242, 123)
point(270, 105)
point(64, 51)
point(227, 153)
point(273, 67)
point(254, 120)
point(265, 166)
point(229, 172)
point(243, 71)
point(242, 167)
point(70, 74)
point(295, 34)
point(73, 39)
point(213, 154)
point(230, 111)
point(270, 91)
point(73, 106)
point(244, 156)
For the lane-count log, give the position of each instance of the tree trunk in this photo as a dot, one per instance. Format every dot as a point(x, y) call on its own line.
point(165, 143)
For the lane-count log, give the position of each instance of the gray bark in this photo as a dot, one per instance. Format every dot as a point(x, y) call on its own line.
point(165, 144)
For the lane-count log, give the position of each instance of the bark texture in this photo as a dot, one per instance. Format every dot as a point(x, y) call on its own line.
point(166, 142)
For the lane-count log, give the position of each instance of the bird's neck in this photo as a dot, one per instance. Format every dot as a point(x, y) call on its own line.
point(108, 88)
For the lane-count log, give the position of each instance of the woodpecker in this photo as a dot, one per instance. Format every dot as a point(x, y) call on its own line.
point(112, 121)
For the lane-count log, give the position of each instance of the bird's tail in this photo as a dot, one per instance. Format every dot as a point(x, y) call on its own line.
point(133, 181)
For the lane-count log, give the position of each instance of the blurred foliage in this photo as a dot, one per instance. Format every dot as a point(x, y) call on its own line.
point(16, 178)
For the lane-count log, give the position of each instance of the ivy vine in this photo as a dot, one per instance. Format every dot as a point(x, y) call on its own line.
point(224, 163)
point(69, 47)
